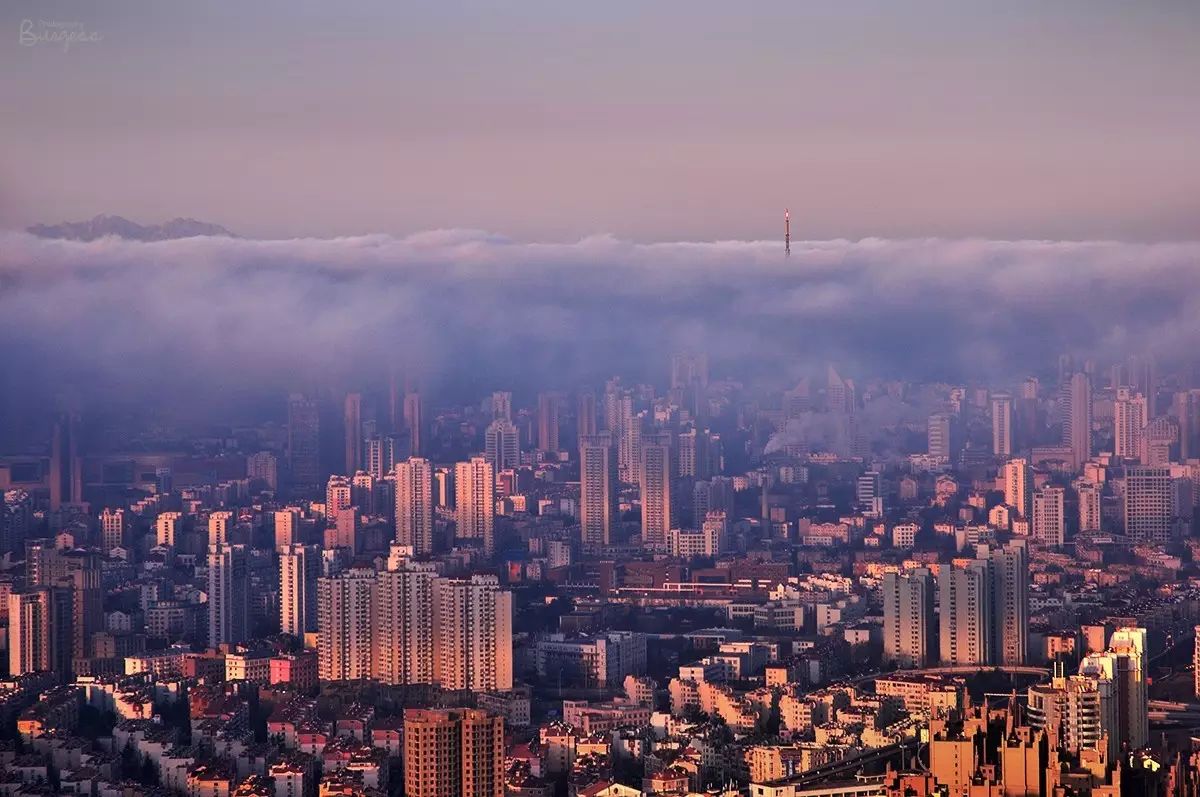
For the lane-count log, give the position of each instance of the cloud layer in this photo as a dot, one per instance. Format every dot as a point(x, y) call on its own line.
point(472, 310)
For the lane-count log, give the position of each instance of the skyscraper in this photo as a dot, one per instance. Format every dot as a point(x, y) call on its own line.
point(299, 569)
point(414, 505)
point(339, 495)
point(965, 606)
point(1124, 663)
point(304, 445)
point(908, 618)
point(472, 634)
point(585, 415)
point(1077, 417)
point(404, 625)
point(597, 490)
point(1009, 617)
point(547, 419)
point(1089, 506)
point(66, 467)
point(352, 420)
point(695, 455)
point(344, 616)
point(1129, 418)
point(502, 405)
point(414, 421)
point(228, 601)
point(1002, 431)
point(502, 445)
point(1049, 516)
point(475, 500)
point(655, 489)
point(453, 753)
point(1018, 486)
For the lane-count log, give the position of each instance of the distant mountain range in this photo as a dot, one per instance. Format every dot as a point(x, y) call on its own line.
point(101, 226)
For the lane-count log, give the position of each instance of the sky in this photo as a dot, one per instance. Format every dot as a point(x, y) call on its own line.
point(551, 121)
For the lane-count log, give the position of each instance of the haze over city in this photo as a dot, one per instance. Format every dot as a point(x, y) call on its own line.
point(563, 400)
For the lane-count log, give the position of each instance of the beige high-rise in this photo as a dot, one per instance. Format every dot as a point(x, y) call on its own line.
point(475, 498)
point(453, 753)
point(414, 505)
point(404, 625)
point(472, 643)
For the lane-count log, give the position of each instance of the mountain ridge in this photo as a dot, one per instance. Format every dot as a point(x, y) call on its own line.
point(104, 225)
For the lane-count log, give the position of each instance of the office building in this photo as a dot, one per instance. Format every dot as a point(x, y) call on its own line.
point(40, 631)
point(352, 423)
point(1157, 504)
point(1130, 416)
point(502, 445)
point(597, 490)
point(304, 445)
point(453, 753)
point(939, 443)
point(547, 421)
point(414, 422)
point(472, 634)
point(414, 505)
point(869, 494)
point(908, 618)
point(475, 502)
point(695, 454)
point(585, 415)
point(1077, 417)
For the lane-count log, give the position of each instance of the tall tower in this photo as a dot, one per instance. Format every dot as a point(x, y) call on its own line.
point(1129, 418)
point(1009, 576)
point(304, 445)
point(414, 505)
point(1077, 425)
point(66, 471)
point(1002, 415)
point(787, 231)
point(475, 499)
point(547, 418)
point(472, 634)
point(908, 618)
point(352, 419)
point(39, 631)
point(299, 569)
point(414, 421)
point(655, 489)
point(585, 415)
point(597, 490)
point(344, 634)
point(228, 602)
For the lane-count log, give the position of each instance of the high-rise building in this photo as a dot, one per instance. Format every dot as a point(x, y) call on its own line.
point(352, 421)
point(414, 422)
point(414, 505)
point(629, 445)
point(1077, 417)
point(453, 753)
point(339, 495)
point(1159, 442)
point(16, 518)
point(1002, 429)
point(263, 470)
point(1124, 663)
point(1049, 516)
point(547, 419)
point(655, 489)
point(1009, 617)
point(304, 445)
point(869, 494)
point(1080, 709)
point(585, 415)
point(114, 526)
point(940, 445)
point(40, 631)
point(404, 625)
point(965, 606)
point(1185, 408)
point(66, 465)
point(299, 569)
point(597, 490)
point(472, 634)
point(168, 529)
point(502, 405)
point(1089, 506)
point(228, 601)
point(694, 458)
point(344, 632)
point(1018, 486)
point(475, 501)
point(220, 527)
point(502, 445)
point(1196, 661)
point(287, 527)
point(1129, 418)
point(1157, 505)
point(908, 618)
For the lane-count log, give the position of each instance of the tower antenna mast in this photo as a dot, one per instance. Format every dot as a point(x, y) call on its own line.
point(787, 232)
